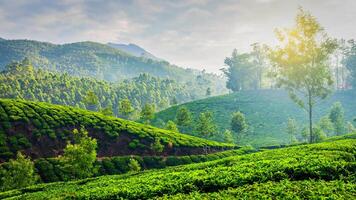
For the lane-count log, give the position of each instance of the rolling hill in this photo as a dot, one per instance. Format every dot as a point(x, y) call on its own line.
point(42, 129)
point(266, 112)
point(316, 171)
point(102, 62)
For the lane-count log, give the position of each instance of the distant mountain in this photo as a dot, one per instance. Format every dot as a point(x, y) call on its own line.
point(104, 62)
point(135, 50)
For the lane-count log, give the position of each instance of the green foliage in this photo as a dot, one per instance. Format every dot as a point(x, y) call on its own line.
point(326, 125)
point(17, 173)
point(156, 146)
point(238, 124)
point(125, 108)
point(205, 125)
point(239, 72)
point(107, 111)
point(337, 117)
point(183, 117)
point(266, 112)
point(147, 113)
point(292, 130)
point(78, 159)
point(134, 166)
point(55, 122)
point(306, 171)
point(124, 96)
point(171, 126)
point(350, 61)
point(301, 63)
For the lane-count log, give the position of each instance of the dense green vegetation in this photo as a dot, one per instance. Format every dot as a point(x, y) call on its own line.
point(103, 62)
point(323, 170)
point(21, 81)
point(266, 112)
point(42, 129)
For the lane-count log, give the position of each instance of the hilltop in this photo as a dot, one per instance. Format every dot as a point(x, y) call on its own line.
point(134, 49)
point(266, 112)
point(324, 170)
point(42, 129)
point(102, 62)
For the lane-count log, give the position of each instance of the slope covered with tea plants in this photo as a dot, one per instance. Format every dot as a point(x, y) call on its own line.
point(42, 129)
point(323, 170)
point(266, 112)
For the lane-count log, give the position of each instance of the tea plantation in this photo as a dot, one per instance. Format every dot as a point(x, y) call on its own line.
point(42, 129)
point(266, 112)
point(324, 170)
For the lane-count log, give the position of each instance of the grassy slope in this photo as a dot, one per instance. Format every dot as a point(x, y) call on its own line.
point(266, 111)
point(325, 169)
point(45, 125)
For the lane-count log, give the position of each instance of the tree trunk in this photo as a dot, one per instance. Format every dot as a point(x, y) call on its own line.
point(310, 105)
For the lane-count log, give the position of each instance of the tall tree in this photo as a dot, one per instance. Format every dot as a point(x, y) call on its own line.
point(337, 117)
point(301, 63)
point(238, 72)
point(147, 113)
point(125, 108)
point(78, 158)
point(350, 61)
point(91, 101)
point(183, 116)
point(205, 125)
point(292, 129)
point(258, 55)
point(171, 126)
point(238, 124)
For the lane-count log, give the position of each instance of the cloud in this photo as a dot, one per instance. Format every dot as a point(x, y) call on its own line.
point(191, 33)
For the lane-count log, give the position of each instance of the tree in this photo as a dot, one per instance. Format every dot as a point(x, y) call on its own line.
point(134, 165)
point(91, 101)
point(301, 63)
point(157, 147)
point(238, 124)
point(78, 159)
point(292, 130)
point(147, 113)
point(125, 108)
point(238, 71)
point(259, 60)
point(350, 61)
point(319, 134)
point(18, 173)
point(107, 111)
point(171, 126)
point(326, 125)
point(183, 117)
point(336, 116)
point(350, 127)
point(205, 125)
point(227, 136)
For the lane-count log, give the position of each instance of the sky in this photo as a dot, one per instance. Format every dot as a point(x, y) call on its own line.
point(189, 33)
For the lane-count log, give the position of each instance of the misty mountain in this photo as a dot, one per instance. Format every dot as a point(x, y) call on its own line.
point(134, 49)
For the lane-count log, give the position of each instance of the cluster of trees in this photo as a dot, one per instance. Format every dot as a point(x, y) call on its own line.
point(333, 124)
point(20, 80)
point(205, 126)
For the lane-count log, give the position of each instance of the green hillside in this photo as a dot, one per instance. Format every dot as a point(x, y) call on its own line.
point(317, 171)
point(23, 82)
point(266, 112)
point(42, 129)
point(102, 62)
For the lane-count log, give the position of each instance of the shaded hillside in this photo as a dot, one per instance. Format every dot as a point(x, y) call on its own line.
point(266, 112)
point(103, 62)
point(42, 129)
point(316, 171)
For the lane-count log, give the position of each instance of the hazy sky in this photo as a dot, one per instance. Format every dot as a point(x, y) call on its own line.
point(189, 33)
